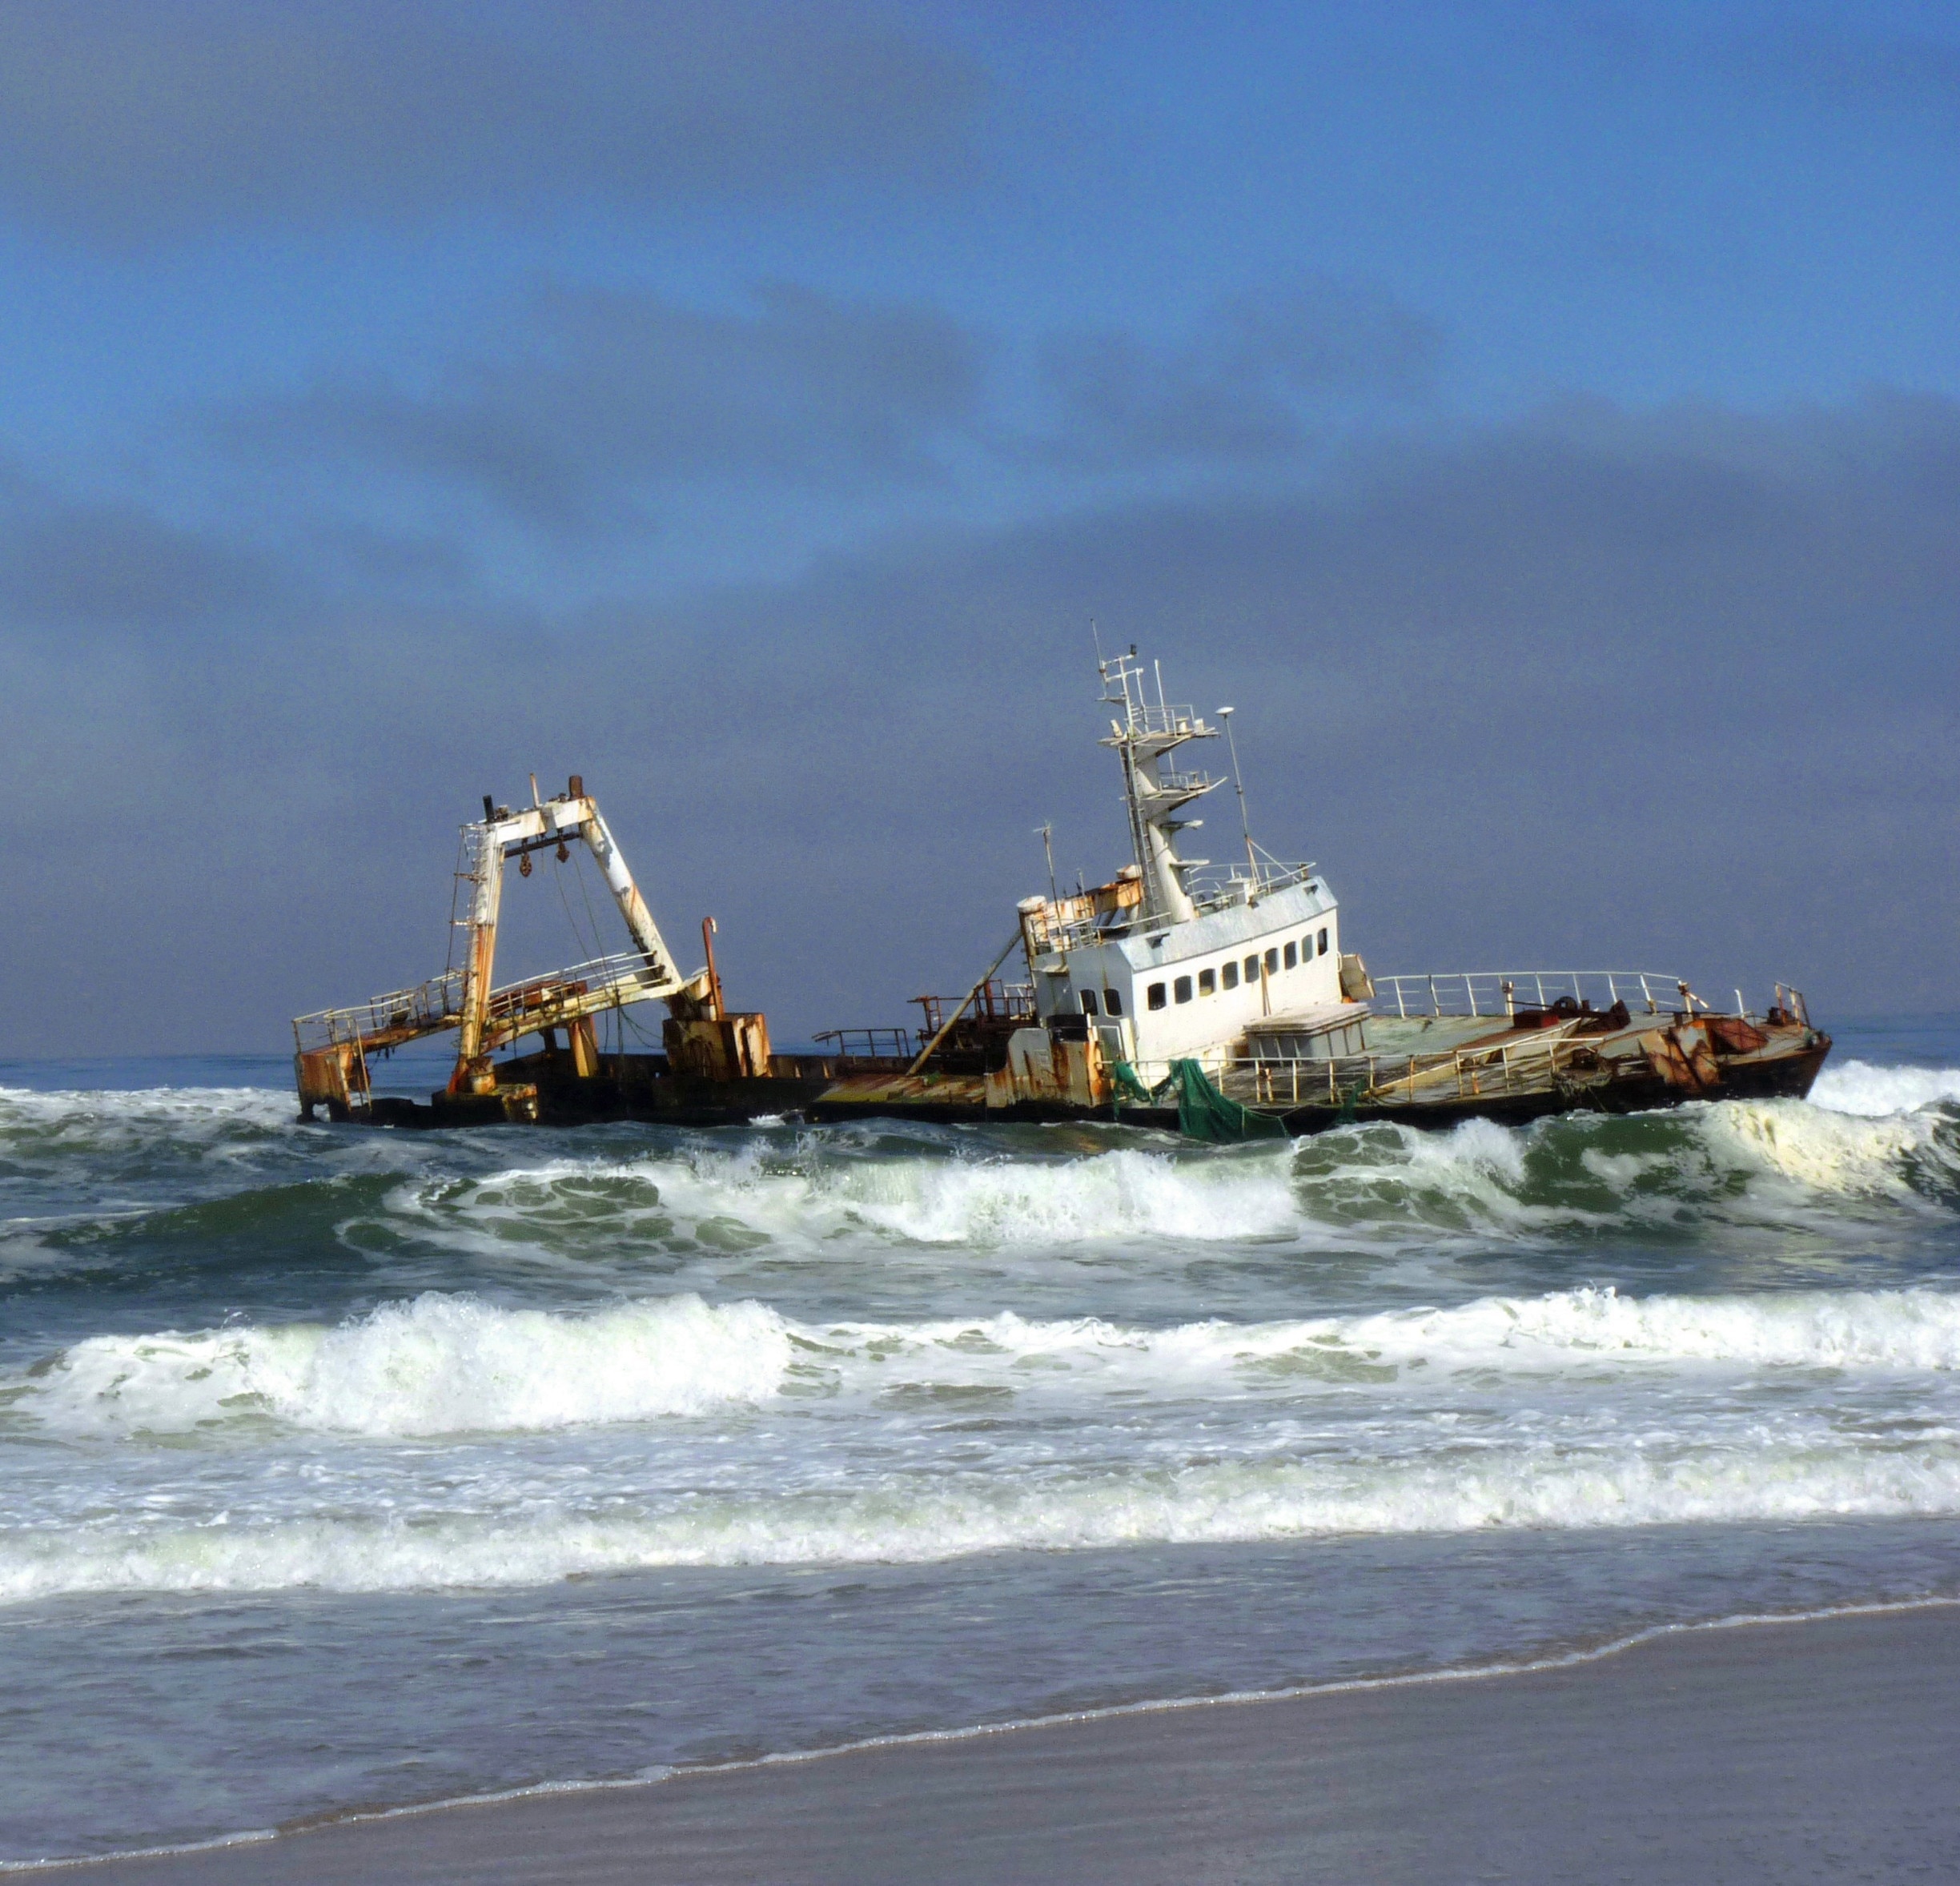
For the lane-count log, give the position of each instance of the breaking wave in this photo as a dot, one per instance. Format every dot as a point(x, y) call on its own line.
point(1750, 1162)
point(1859, 1087)
point(438, 1365)
point(941, 1517)
point(184, 1175)
point(448, 1365)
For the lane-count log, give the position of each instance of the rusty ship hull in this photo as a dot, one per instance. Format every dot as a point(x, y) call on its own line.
point(1616, 1072)
point(1434, 1071)
point(545, 1089)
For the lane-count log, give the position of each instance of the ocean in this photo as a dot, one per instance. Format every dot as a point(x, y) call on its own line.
point(345, 1470)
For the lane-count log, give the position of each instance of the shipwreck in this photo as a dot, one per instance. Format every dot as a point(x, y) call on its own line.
point(1216, 1001)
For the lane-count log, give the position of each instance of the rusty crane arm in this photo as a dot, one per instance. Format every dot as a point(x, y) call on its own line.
point(334, 1044)
point(502, 834)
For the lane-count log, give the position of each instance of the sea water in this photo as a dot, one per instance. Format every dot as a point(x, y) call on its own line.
point(342, 1469)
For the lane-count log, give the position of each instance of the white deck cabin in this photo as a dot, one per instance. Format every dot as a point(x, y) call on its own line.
point(1166, 963)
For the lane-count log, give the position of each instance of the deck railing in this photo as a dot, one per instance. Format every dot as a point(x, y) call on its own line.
point(1529, 1063)
point(431, 1007)
point(867, 1043)
point(993, 1001)
point(1503, 992)
point(1208, 891)
point(403, 1013)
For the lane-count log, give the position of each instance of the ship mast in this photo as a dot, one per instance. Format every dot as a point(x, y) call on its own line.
point(1145, 736)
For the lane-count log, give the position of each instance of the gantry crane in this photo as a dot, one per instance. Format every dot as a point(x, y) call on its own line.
point(333, 1045)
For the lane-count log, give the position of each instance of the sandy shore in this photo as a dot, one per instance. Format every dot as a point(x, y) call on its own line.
point(1827, 1750)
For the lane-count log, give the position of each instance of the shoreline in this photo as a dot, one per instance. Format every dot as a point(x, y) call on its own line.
point(750, 1819)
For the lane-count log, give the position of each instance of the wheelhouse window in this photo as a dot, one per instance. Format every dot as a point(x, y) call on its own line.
point(1251, 968)
point(1112, 1000)
point(1207, 982)
point(1272, 961)
point(1155, 995)
point(1181, 989)
point(1323, 942)
point(1292, 955)
point(1229, 975)
point(1089, 1001)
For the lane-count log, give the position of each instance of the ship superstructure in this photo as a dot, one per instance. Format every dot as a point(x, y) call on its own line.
point(1174, 959)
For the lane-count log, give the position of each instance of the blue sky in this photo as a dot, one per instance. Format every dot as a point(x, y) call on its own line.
point(1539, 420)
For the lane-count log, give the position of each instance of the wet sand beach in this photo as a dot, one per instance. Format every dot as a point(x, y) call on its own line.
point(1818, 1750)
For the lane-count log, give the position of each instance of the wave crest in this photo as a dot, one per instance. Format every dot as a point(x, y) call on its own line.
point(1863, 1087)
point(445, 1365)
point(436, 1365)
point(930, 1520)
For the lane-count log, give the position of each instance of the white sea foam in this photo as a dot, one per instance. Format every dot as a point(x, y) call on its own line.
point(1841, 1154)
point(911, 1520)
point(1882, 1329)
point(145, 1109)
point(756, 1193)
point(438, 1365)
point(1111, 1194)
point(449, 1365)
point(1859, 1087)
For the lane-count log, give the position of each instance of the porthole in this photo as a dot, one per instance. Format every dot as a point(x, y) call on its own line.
point(1155, 995)
point(1229, 975)
point(1207, 982)
point(1292, 955)
point(1182, 990)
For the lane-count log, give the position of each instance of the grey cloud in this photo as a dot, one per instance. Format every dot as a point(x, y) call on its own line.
point(121, 119)
point(70, 562)
point(1679, 686)
point(1251, 384)
point(617, 393)
point(611, 396)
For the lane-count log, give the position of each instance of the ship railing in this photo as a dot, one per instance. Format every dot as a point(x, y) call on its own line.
point(1209, 893)
point(867, 1043)
point(1086, 933)
point(431, 1007)
point(993, 1001)
point(602, 982)
point(1142, 720)
point(400, 1015)
point(1504, 992)
point(1528, 1064)
point(1168, 784)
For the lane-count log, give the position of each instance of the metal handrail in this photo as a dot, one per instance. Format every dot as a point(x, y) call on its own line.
point(1518, 1064)
point(1145, 720)
point(1208, 891)
point(869, 1043)
point(1502, 992)
point(992, 1001)
point(431, 1007)
point(427, 1007)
